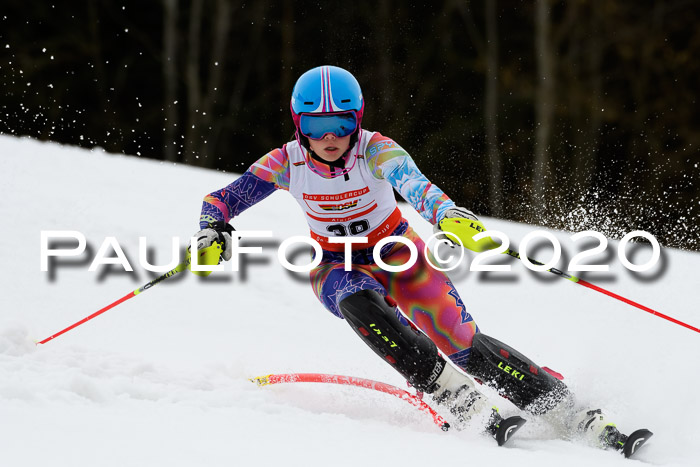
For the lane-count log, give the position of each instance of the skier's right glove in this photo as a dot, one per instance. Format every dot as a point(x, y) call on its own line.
point(213, 245)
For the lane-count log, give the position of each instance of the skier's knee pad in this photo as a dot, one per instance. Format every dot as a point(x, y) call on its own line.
point(515, 376)
point(405, 348)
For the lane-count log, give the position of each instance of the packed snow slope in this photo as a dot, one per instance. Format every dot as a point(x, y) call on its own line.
point(162, 379)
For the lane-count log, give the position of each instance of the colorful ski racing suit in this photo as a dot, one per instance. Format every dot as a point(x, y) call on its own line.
point(361, 204)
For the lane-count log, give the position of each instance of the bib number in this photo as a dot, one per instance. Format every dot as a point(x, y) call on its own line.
point(356, 228)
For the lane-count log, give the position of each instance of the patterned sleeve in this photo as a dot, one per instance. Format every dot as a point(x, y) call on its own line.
point(269, 173)
point(390, 161)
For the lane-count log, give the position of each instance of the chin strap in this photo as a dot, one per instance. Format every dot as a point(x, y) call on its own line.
point(340, 163)
point(337, 165)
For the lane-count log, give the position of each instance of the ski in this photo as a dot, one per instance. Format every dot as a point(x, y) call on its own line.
point(630, 444)
point(627, 445)
point(507, 428)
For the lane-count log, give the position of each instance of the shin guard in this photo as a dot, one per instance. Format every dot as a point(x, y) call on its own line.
point(516, 377)
point(405, 348)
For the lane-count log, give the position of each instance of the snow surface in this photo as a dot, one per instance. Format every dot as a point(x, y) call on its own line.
point(162, 379)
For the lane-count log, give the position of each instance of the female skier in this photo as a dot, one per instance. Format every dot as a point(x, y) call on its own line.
point(344, 178)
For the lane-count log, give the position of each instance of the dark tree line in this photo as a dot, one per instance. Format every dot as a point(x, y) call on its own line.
point(571, 114)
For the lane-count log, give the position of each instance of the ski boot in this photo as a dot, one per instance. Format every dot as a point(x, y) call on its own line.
point(410, 352)
point(593, 426)
point(456, 391)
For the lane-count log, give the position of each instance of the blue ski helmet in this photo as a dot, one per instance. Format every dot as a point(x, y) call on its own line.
point(326, 90)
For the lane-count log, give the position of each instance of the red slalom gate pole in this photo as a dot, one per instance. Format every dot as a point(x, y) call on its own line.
point(180, 267)
point(352, 381)
point(587, 284)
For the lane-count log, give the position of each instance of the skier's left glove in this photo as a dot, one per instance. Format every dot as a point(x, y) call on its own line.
point(462, 224)
point(213, 244)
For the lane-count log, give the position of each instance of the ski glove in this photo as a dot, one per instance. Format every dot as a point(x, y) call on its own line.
point(220, 232)
point(463, 224)
point(456, 212)
point(452, 213)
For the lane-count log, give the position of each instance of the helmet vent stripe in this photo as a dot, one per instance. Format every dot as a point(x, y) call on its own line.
point(322, 104)
point(329, 104)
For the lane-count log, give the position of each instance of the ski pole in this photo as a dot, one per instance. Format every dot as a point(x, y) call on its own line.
point(180, 267)
point(584, 283)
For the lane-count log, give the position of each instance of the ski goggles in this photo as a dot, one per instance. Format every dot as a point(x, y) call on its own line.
point(316, 126)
